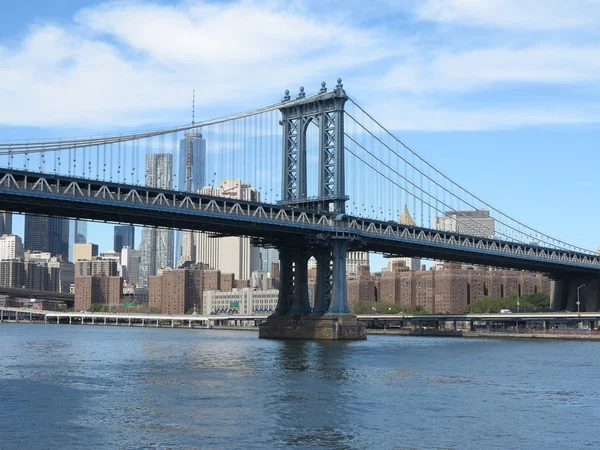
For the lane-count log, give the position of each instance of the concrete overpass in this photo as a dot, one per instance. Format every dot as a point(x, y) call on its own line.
point(42, 295)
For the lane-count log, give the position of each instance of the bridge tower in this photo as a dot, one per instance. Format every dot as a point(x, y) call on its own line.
point(329, 317)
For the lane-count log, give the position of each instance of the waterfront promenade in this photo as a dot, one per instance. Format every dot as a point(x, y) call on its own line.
point(554, 325)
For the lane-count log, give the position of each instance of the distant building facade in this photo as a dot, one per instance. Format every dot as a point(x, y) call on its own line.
point(77, 235)
point(47, 234)
point(130, 265)
point(191, 178)
point(11, 247)
point(241, 301)
point(84, 251)
point(176, 291)
point(106, 290)
point(124, 236)
point(474, 223)
point(229, 254)
point(5, 223)
point(96, 266)
point(157, 243)
point(451, 288)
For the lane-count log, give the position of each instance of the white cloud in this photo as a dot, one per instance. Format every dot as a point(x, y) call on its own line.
point(131, 63)
point(465, 71)
point(124, 64)
point(402, 114)
point(513, 14)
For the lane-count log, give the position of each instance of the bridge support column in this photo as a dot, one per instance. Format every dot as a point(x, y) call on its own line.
point(340, 294)
point(330, 318)
point(564, 296)
point(286, 283)
point(300, 304)
point(322, 295)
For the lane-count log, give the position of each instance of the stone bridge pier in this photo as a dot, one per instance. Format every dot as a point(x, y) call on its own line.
point(329, 317)
point(564, 296)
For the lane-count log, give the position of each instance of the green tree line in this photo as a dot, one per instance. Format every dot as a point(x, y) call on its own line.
point(494, 305)
point(383, 308)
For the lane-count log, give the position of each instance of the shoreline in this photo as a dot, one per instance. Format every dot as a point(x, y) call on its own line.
point(584, 336)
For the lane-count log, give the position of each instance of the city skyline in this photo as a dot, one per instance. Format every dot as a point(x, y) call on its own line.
point(422, 170)
point(442, 101)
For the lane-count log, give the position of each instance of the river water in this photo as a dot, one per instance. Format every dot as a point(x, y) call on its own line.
point(65, 387)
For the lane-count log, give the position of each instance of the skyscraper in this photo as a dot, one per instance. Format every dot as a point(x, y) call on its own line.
point(229, 254)
point(268, 256)
point(47, 234)
point(5, 223)
point(157, 244)
point(130, 265)
point(124, 237)
point(355, 260)
point(191, 177)
point(77, 235)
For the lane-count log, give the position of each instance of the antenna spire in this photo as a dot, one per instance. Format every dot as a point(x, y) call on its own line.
point(193, 106)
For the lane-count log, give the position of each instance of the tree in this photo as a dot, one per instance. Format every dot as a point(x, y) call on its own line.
point(98, 307)
point(494, 305)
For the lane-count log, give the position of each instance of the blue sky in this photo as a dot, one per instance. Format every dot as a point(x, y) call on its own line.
point(502, 96)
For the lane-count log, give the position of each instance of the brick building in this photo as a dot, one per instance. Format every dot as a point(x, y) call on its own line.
point(448, 289)
point(362, 287)
point(176, 291)
point(212, 280)
point(227, 282)
point(97, 289)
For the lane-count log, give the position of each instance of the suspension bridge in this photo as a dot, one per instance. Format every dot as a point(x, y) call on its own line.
point(327, 178)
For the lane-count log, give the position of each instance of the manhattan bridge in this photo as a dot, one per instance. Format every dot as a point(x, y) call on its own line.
point(330, 179)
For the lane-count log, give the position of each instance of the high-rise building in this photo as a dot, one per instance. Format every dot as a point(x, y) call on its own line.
point(77, 235)
point(191, 177)
point(176, 291)
point(474, 223)
point(47, 234)
point(84, 251)
point(11, 247)
point(130, 265)
point(12, 273)
point(157, 244)
point(124, 237)
point(354, 260)
point(96, 266)
point(5, 223)
point(268, 256)
point(97, 289)
point(62, 274)
point(186, 247)
point(229, 254)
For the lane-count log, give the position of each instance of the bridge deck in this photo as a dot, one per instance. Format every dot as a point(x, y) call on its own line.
point(58, 195)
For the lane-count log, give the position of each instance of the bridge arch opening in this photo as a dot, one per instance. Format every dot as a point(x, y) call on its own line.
point(312, 147)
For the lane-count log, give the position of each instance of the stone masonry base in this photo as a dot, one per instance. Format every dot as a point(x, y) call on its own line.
point(327, 327)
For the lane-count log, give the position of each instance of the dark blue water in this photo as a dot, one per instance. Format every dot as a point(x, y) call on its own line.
point(105, 387)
